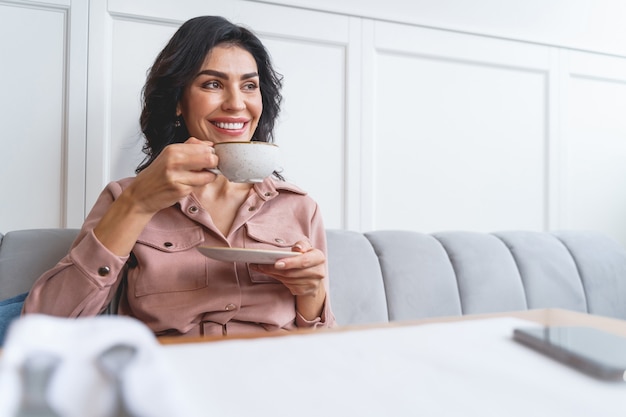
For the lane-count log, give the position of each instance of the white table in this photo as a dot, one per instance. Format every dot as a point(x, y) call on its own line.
point(462, 368)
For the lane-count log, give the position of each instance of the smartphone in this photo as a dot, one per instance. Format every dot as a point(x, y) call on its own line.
point(590, 350)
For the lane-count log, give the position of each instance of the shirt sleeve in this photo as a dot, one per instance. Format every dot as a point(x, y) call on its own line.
point(326, 319)
point(86, 279)
point(318, 240)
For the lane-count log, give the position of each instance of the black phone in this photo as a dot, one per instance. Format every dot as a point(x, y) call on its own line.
point(590, 350)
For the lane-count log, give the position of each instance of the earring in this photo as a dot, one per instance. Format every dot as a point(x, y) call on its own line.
point(177, 122)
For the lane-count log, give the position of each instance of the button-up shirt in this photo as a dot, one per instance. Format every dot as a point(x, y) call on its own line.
point(169, 285)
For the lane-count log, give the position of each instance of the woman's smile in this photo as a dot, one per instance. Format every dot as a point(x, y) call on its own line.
point(231, 127)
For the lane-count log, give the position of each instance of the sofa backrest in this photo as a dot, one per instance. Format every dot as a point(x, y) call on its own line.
point(26, 254)
point(389, 275)
point(455, 273)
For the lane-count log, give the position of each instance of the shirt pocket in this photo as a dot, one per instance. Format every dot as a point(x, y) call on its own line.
point(167, 261)
point(261, 236)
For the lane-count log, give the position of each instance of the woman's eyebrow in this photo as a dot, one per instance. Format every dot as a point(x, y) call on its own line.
point(223, 75)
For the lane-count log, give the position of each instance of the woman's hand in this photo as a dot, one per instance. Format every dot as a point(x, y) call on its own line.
point(173, 175)
point(303, 275)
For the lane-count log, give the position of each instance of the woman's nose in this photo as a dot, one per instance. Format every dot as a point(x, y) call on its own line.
point(234, 100)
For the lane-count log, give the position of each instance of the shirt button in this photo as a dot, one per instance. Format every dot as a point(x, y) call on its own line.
point(268, 194)
point(230, 307)
point(103, 271)
point(251, 208)
point(279, 240)
point(193, 209)
point(168, 244)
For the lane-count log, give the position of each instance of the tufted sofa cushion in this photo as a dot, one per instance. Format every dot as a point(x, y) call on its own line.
point(459, 272)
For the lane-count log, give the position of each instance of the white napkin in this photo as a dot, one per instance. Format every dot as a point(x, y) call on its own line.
point(78, 387)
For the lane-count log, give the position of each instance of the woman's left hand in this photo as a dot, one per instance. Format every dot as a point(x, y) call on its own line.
point(302, 274)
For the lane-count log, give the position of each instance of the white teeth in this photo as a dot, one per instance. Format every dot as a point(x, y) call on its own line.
point(228, 125)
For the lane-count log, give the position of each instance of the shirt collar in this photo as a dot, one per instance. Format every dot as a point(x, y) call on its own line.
point(266, 190)
point(271, 187)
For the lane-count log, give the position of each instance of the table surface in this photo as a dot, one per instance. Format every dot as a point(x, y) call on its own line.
point(451, 366)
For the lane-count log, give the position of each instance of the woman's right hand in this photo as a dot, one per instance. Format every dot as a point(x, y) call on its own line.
point(173, 175)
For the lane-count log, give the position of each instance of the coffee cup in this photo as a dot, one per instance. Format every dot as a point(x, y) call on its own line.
point(246, 161)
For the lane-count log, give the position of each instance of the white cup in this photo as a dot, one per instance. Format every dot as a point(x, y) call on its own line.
point(246, 161)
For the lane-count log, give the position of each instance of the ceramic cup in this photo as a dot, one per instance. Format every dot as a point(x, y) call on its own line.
point(246, 161)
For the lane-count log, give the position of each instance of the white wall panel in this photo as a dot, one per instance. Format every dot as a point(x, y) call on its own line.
point(32, 112)
point(593, 25)
point(460, 132)
point(594, 168)
point(135, 45)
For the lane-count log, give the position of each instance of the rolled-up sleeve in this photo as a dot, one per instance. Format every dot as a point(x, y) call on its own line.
point(318, 240)
point(326, 319)
point(85, 280)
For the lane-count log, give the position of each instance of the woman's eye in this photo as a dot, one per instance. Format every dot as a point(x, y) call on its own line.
point(211, 84)
point(250, 86)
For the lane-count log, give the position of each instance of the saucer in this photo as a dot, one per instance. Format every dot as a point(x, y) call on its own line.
point(253, 256)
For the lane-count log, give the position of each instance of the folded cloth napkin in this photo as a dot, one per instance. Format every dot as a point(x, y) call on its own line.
point(78, 386)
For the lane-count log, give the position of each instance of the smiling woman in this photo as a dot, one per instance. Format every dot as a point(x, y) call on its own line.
point(213, 83)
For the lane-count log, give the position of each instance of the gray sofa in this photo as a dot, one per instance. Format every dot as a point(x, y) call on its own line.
point(389, 275)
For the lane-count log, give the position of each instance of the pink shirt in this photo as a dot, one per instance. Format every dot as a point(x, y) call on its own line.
point(171, 286)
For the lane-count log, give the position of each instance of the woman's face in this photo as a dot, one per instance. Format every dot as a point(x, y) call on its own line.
point(223, 102)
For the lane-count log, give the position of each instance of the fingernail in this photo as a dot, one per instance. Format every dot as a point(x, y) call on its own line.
point(279, 265)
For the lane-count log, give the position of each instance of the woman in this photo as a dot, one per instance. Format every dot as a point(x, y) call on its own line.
point(212, 83)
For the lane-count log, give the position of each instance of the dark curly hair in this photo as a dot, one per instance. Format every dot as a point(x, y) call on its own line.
point(177, 65)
